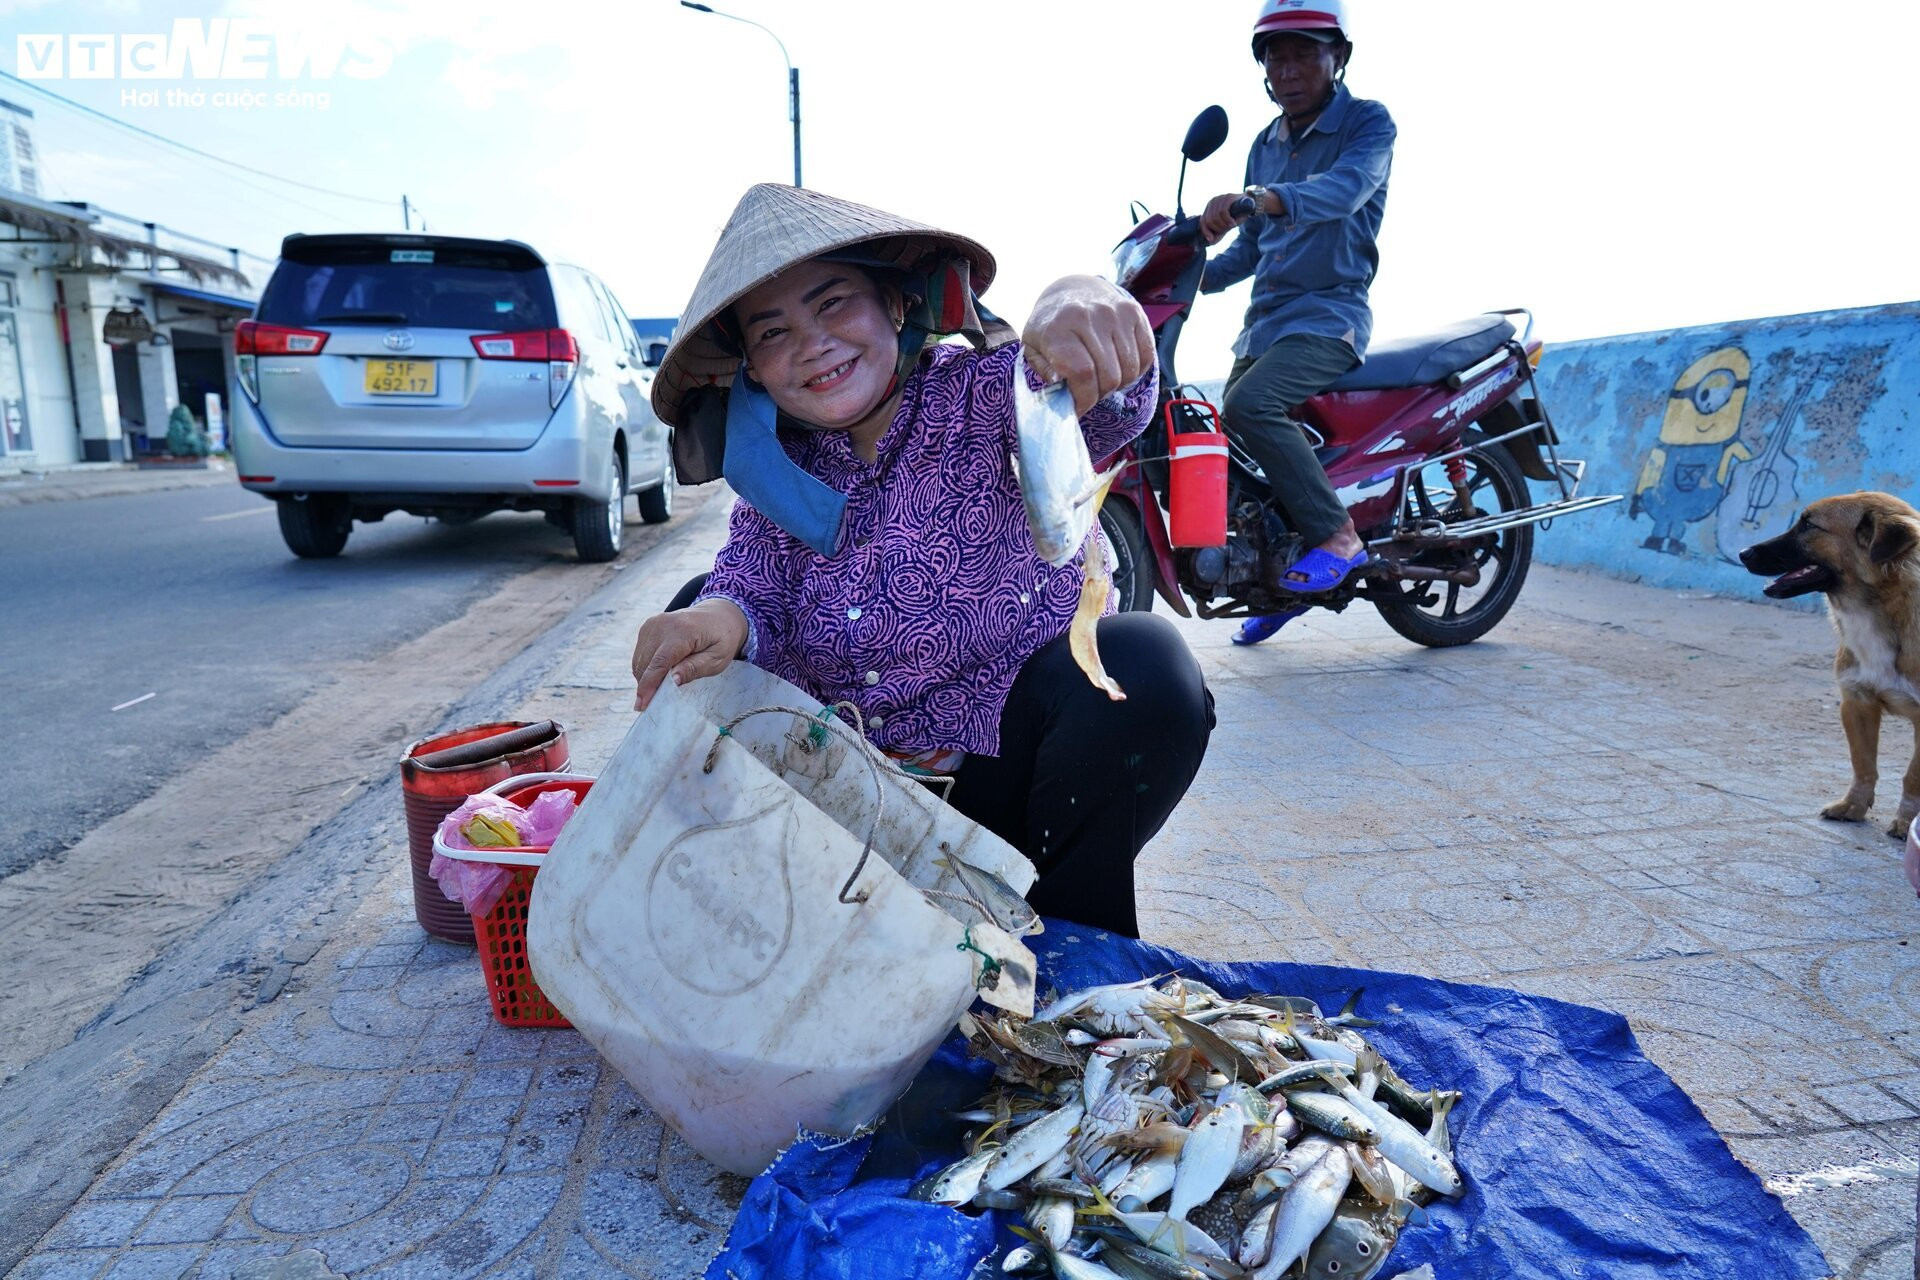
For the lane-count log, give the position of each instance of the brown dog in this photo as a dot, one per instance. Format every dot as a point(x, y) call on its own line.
point(1860, 548)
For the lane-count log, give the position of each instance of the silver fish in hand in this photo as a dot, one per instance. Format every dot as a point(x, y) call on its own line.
point(1057, 480)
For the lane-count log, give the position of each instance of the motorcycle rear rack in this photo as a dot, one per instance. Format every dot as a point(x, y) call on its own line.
point(1567, 472)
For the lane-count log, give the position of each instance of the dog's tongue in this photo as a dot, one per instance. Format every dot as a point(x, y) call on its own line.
point(1794, 582)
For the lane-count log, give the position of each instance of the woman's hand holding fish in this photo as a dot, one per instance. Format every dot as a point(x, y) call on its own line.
point(1090, 335)
point(690, 643)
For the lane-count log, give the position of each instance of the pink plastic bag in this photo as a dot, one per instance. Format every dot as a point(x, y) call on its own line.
point(546, 815)
point(478, 885)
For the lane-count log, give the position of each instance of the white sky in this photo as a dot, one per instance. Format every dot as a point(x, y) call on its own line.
point(1614, 168)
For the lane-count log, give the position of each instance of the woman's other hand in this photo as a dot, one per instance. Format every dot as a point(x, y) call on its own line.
point(1087, 333)
point(697, 641)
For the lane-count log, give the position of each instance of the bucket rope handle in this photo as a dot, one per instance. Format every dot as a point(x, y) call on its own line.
point(825, 719)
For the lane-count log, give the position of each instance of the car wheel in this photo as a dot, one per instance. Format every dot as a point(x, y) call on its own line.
point(599, 524)
point(315, 525)
point(656, 504)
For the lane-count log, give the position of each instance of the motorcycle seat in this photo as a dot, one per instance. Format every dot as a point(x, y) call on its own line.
point(1428, 357)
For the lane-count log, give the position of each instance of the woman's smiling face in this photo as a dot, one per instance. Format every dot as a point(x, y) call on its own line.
point(822, 339)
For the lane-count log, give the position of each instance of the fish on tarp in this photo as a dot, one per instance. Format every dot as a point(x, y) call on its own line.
point(1157, 1129)
point(957, 1183)
point(1306, 1209)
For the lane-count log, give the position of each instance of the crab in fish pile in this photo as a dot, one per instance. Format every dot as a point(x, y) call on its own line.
point(1157, 1130)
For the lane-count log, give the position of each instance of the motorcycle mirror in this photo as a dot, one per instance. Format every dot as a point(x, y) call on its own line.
point(1205, 134)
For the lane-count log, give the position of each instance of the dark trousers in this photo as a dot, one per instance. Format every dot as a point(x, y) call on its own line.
point(1258, 405)
point(1083, 782)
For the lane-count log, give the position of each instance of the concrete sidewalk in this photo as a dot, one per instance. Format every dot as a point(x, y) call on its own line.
point(1609, 800)
point(20, 486)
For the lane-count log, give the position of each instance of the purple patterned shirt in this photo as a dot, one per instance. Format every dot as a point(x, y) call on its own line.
point(937, 597)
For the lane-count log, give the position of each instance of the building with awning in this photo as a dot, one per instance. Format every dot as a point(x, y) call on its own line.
point(106, 321)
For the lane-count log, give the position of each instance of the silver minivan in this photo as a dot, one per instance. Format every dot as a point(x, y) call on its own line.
point(444, 377)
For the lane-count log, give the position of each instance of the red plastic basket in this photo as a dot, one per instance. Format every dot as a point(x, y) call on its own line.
point(501, 934)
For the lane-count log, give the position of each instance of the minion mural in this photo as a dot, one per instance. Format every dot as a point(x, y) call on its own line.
point(1685, 474)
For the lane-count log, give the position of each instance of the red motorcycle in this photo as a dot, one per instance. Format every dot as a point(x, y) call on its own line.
point(1430, 444)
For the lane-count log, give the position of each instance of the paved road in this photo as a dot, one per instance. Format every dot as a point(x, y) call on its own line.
point(191, 597)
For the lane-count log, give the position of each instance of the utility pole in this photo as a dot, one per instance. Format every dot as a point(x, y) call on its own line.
point(406, 214)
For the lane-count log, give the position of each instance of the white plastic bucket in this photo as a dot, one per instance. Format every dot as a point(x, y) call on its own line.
point(698, 921)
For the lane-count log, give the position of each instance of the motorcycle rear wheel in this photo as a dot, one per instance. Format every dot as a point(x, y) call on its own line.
point(1133, 568)
point(1432, 613)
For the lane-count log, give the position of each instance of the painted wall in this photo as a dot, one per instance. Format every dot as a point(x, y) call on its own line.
point(1719, 434)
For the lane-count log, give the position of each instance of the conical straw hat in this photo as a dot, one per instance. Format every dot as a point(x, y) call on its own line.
point(772, 228)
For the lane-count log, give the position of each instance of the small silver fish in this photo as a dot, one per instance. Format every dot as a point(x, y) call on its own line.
point(1004, 904)
point(1034, 1145)
point(1256, 1240)
point(1147, 1181)
point(1314, 1072)
point(1054, 470)
point(1130, 1257)
point(1305, 1210)
point(1206, 1158)
point(1069, 1266)
point(957, 1183)
point(1052, 1219)
point(1406, 1146)
point(1340, 1116)
point(1024, 1257)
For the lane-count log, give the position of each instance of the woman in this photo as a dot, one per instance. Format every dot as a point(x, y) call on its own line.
point(880, 552)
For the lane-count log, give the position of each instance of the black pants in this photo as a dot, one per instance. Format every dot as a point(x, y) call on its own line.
point(1258, 406)
point(1082, 782)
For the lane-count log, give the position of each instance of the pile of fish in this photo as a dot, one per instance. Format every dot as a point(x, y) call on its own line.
point(1158, 1130)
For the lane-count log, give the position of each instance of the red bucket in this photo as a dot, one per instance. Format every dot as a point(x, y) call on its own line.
point(1197, 481)
point(431, 792)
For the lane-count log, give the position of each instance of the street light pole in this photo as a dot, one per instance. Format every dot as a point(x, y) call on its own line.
point(793, 76)
point(793, 109)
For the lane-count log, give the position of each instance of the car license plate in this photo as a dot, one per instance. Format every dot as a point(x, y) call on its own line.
point(400, 377)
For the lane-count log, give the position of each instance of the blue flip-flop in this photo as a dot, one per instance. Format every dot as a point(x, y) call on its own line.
point(1320, 570)
point(1254, 630)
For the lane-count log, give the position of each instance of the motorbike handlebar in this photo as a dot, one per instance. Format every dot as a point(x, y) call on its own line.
point(1188, 229)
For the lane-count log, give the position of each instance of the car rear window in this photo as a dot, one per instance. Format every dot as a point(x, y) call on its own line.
point(424, 286)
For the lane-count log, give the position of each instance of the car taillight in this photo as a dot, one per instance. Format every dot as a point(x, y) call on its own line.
point(556, 346)
point(252, 338)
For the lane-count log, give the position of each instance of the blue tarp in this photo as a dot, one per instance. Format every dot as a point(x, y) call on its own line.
point(1581, 1157)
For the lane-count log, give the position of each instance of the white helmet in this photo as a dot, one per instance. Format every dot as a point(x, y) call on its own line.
point(1324, 20)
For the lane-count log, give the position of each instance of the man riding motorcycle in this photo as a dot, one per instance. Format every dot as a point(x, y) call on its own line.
point(1318, 175)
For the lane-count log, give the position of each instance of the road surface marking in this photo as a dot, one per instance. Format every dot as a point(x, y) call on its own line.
point(132, 702)
point(235, 515)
